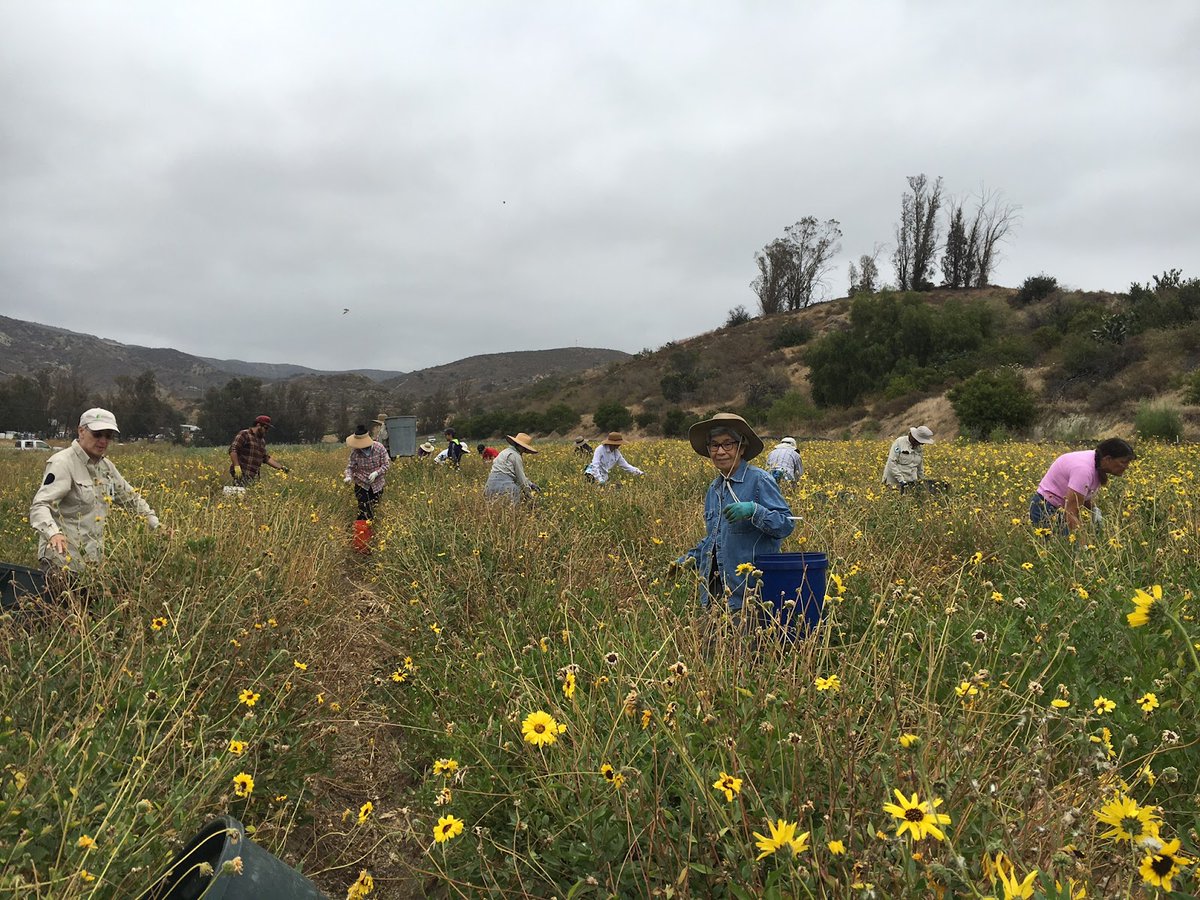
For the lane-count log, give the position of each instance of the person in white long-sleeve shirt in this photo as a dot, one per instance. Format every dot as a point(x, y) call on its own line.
point(784, 461)
point(607, 455)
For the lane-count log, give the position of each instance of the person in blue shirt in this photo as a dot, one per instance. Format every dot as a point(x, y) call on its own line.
point(745, 514)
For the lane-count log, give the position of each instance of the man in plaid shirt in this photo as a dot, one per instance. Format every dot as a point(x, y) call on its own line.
point(248, 452)
point(366, 470)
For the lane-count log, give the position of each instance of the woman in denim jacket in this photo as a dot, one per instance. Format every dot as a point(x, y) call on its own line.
point(745, 514)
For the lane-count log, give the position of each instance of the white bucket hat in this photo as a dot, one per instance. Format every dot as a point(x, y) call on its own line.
point(921, 434)
point(788, 442)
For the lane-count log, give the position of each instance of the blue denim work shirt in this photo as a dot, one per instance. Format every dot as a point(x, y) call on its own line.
point(735, 543)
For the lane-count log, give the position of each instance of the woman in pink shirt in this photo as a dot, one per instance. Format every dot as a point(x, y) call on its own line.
point(1073, 480)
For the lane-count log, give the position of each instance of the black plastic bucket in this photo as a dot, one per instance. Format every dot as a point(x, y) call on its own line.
point(18, 583)
point(263, 876)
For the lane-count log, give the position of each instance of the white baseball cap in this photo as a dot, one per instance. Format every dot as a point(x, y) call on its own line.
point(98, 419)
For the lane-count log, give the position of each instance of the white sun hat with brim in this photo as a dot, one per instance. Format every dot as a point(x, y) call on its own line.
point(921, 434)
point(752, 444)
point(97, 419)
point(788, 442)
point(521, 441)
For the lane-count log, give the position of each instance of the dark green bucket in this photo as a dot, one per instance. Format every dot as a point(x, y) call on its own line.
point(263, 876)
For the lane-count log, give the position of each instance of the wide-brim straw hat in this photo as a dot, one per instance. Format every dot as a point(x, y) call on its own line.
point(752, 444)
point(614, 439)
point(521, 441)
point(427, 447)
point(360, 440)
point(381, 420)
point(922, 434)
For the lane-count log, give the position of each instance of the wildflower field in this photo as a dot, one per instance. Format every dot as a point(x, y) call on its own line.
point(518, 702)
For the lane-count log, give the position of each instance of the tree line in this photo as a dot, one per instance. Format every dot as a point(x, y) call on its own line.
point(793, 269)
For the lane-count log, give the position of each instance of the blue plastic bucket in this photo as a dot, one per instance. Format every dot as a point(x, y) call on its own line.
point(793, 590)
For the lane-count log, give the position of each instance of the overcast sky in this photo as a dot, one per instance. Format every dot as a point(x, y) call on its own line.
point(225, 178)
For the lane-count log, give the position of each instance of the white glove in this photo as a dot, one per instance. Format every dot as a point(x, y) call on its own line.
point(347, 479)
point(371, 478)
point(1097, 518)
point(152, 521)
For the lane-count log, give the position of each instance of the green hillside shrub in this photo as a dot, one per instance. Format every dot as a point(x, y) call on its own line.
point(789, 412)
point(739, 315)
point(1158, 420)
point(1035, 288)
point(1191, 388)
point(993, 399)
point(894, 335)
point(676, 422)
point(612, 417)
point(792, 334)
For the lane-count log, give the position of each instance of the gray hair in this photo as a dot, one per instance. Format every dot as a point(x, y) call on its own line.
point(725, 431)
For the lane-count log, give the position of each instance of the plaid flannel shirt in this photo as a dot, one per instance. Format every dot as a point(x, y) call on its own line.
point(251, 451)
point(363, 462)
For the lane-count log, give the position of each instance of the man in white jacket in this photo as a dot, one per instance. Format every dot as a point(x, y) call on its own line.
point(79, 486)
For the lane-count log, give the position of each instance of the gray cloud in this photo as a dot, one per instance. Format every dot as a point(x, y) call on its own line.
point(225, 178)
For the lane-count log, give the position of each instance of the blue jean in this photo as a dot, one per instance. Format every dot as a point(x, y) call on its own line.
point(1044, 514)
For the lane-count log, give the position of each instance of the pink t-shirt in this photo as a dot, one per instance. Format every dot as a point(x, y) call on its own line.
point(1072, 471)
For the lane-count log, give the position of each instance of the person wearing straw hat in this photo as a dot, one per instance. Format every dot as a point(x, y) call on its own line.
point(79, 485)
point(745, 514)
point(366, 470)
point(425, 449)
point(507, 477)
point(607, 455)
point(906, 459)
point(380, 432)
point(582, 447)
point(784, 461)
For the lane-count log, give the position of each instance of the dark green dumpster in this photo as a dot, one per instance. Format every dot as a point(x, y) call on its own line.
point(201, 870)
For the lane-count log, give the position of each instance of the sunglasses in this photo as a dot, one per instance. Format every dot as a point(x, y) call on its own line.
point(105, 435)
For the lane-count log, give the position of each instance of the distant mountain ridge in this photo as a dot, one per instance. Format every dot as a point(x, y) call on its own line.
point(26, 347)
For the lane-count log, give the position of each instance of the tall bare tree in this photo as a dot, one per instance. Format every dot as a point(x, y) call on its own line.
point(792, 267)
point(814, 244)
point(864, 277)
point(917, 233)
point(994, 220)
point(774, 267)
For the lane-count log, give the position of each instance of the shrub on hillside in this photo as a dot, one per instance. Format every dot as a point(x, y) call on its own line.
point(612, 417)
point(792, 334)
point(892, 335)
point(1035, 288)
point(999, 398)
point(647, 420)
point(739, 315)
point(789, 412)
point(676, 422)
point(1158, 420)
point(1191, 388)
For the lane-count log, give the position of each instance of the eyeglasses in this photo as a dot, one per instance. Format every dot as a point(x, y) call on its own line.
point(724, 446)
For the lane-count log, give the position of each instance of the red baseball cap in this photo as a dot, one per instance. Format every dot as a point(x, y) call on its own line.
point(263, 420)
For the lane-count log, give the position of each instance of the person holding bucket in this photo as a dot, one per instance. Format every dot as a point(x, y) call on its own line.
point(1072, 482)
point(507, 477)
point(745, 514)
point(607, 455)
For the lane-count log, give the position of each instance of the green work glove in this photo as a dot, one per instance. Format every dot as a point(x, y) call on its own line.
point(739, 512)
